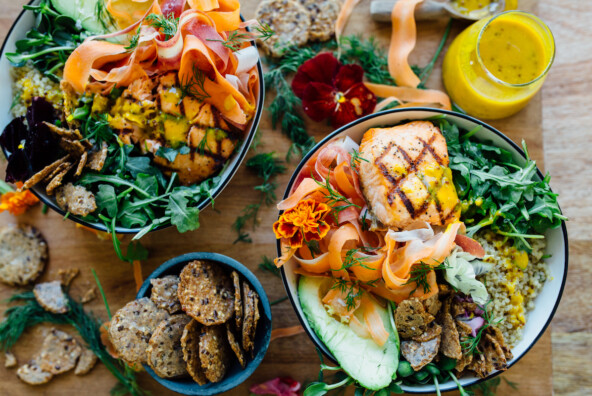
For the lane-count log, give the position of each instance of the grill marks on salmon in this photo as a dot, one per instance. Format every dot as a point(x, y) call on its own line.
point(406, 178)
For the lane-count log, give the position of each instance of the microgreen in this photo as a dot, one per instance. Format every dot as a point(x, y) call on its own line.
point(498, 193)
point(166, 24)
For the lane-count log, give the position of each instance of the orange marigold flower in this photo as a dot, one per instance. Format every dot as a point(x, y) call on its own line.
point(304, 222)
point(15, 202)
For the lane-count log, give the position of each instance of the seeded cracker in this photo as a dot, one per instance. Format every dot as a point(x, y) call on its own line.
point(59, 352)
point(214, 352)
point(288, 19)
point(51, 297)
point(249, 318)
point(68, 275)
point(9, 360)
point(23, 254)
point(235, 346)
point(32, 374)
point(205, 293)
point(190, 347)
point(164, 293)
point(76, 200)
point(323, 15)
point(87, 361)
point(238, 302)
point(131, 329)
point(165, 353)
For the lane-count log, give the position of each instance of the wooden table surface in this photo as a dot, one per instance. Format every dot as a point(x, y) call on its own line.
point(555, 125)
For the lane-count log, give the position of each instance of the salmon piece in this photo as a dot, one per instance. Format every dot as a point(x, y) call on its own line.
point(169, 94)
point(191, 168)
point(407, 178)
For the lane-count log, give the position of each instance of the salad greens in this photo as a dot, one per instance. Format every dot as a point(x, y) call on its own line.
point(49, 43)
point(497, 192)
point(461, 275)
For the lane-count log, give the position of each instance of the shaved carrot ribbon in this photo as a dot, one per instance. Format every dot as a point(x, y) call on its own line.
point(286, 332)
point(407, 94)
point(318, 265)
point(344, 234)
point(306, 187)
point(373, 320)
point(371, 268)
point(403, 38)
point(343, 17)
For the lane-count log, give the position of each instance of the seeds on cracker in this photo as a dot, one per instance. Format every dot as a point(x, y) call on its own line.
point(238, 302)
point(190, 347)
point(76, 200)
point(205, 293)
point(214, 352)
point(32, 374)
point(9, 360)
point(51, 297)
point(68, 275)
point(164, 293)
point(57, 180)
point(23, 254)
point(43, 173)
point(59, 353)
point(249, 317)
point(235, 346)
point(165, 353)
point(96, 159)
point(323, 15)
point(86, 362)
point(288, 19)
point(131, 329)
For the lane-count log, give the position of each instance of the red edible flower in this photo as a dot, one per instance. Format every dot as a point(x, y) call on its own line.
point(280, 386)
point(330, 89)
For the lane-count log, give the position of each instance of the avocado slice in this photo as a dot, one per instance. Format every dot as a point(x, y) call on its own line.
point(84, 12)
point(372, 366)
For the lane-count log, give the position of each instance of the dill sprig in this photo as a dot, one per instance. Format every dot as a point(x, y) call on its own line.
point(366, 53)
point(335, 200)
point(267, 264)
point(353, 290)
point(470, 345)
point(355, 160)
point(194, 85)
point(419, 275)
point(266, 166)
point(350, 260)
point(237, 38)
point(283, 106)
point(166, 24)
point(134, 41)
point(20, 317)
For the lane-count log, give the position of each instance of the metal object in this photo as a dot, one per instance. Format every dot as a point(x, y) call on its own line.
point(433, 9)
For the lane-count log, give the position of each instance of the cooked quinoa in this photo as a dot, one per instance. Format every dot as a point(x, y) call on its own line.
point(27, 83)
point(514, 281)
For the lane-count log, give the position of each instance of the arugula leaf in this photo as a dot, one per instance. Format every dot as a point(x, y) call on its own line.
point(136, 165)
point(185, 218)
point(107, 199)
point(170, 154)
point(147, 183)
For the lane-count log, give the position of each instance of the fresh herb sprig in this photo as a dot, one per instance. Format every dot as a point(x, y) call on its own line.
point(266, 166)
point(193, 85)
point(334, 199)
point(352, 260)
point(419, 275)
point(470, 344)
point(167, 25)
point(356, 160)
point(489, 387)
point(49, 43)
point(20, 317)
point(267, 265)
point(134, 41)
point(497, 192)
point(237, 38)
point(366, 53)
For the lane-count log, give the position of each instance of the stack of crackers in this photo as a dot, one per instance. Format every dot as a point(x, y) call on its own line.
point(198, 324)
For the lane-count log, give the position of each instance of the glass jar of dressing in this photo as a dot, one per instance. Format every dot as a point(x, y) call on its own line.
point(495, 66)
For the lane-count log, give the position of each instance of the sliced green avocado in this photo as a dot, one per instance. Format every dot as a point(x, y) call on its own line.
point(84, 12)
point(372, 366)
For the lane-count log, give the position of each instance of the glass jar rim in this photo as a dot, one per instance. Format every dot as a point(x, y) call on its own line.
point(535, 19)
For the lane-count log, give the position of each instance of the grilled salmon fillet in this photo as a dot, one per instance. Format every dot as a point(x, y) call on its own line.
point(406, 177)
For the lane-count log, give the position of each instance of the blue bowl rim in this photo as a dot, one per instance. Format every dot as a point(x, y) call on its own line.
point(314, 338)
point(242, 153)
point(252, 365)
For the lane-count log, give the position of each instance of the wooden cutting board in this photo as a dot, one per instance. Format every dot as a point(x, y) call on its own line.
point(295, 357)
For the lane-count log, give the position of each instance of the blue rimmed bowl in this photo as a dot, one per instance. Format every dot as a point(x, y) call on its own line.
point(236, 375)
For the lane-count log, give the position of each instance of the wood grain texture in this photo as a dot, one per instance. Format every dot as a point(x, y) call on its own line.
point(557, 119)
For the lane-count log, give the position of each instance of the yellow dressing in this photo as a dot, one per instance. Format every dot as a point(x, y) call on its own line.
point(487, 61)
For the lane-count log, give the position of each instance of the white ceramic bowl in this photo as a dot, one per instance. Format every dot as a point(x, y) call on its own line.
point(546, 302)
point(21, 26)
